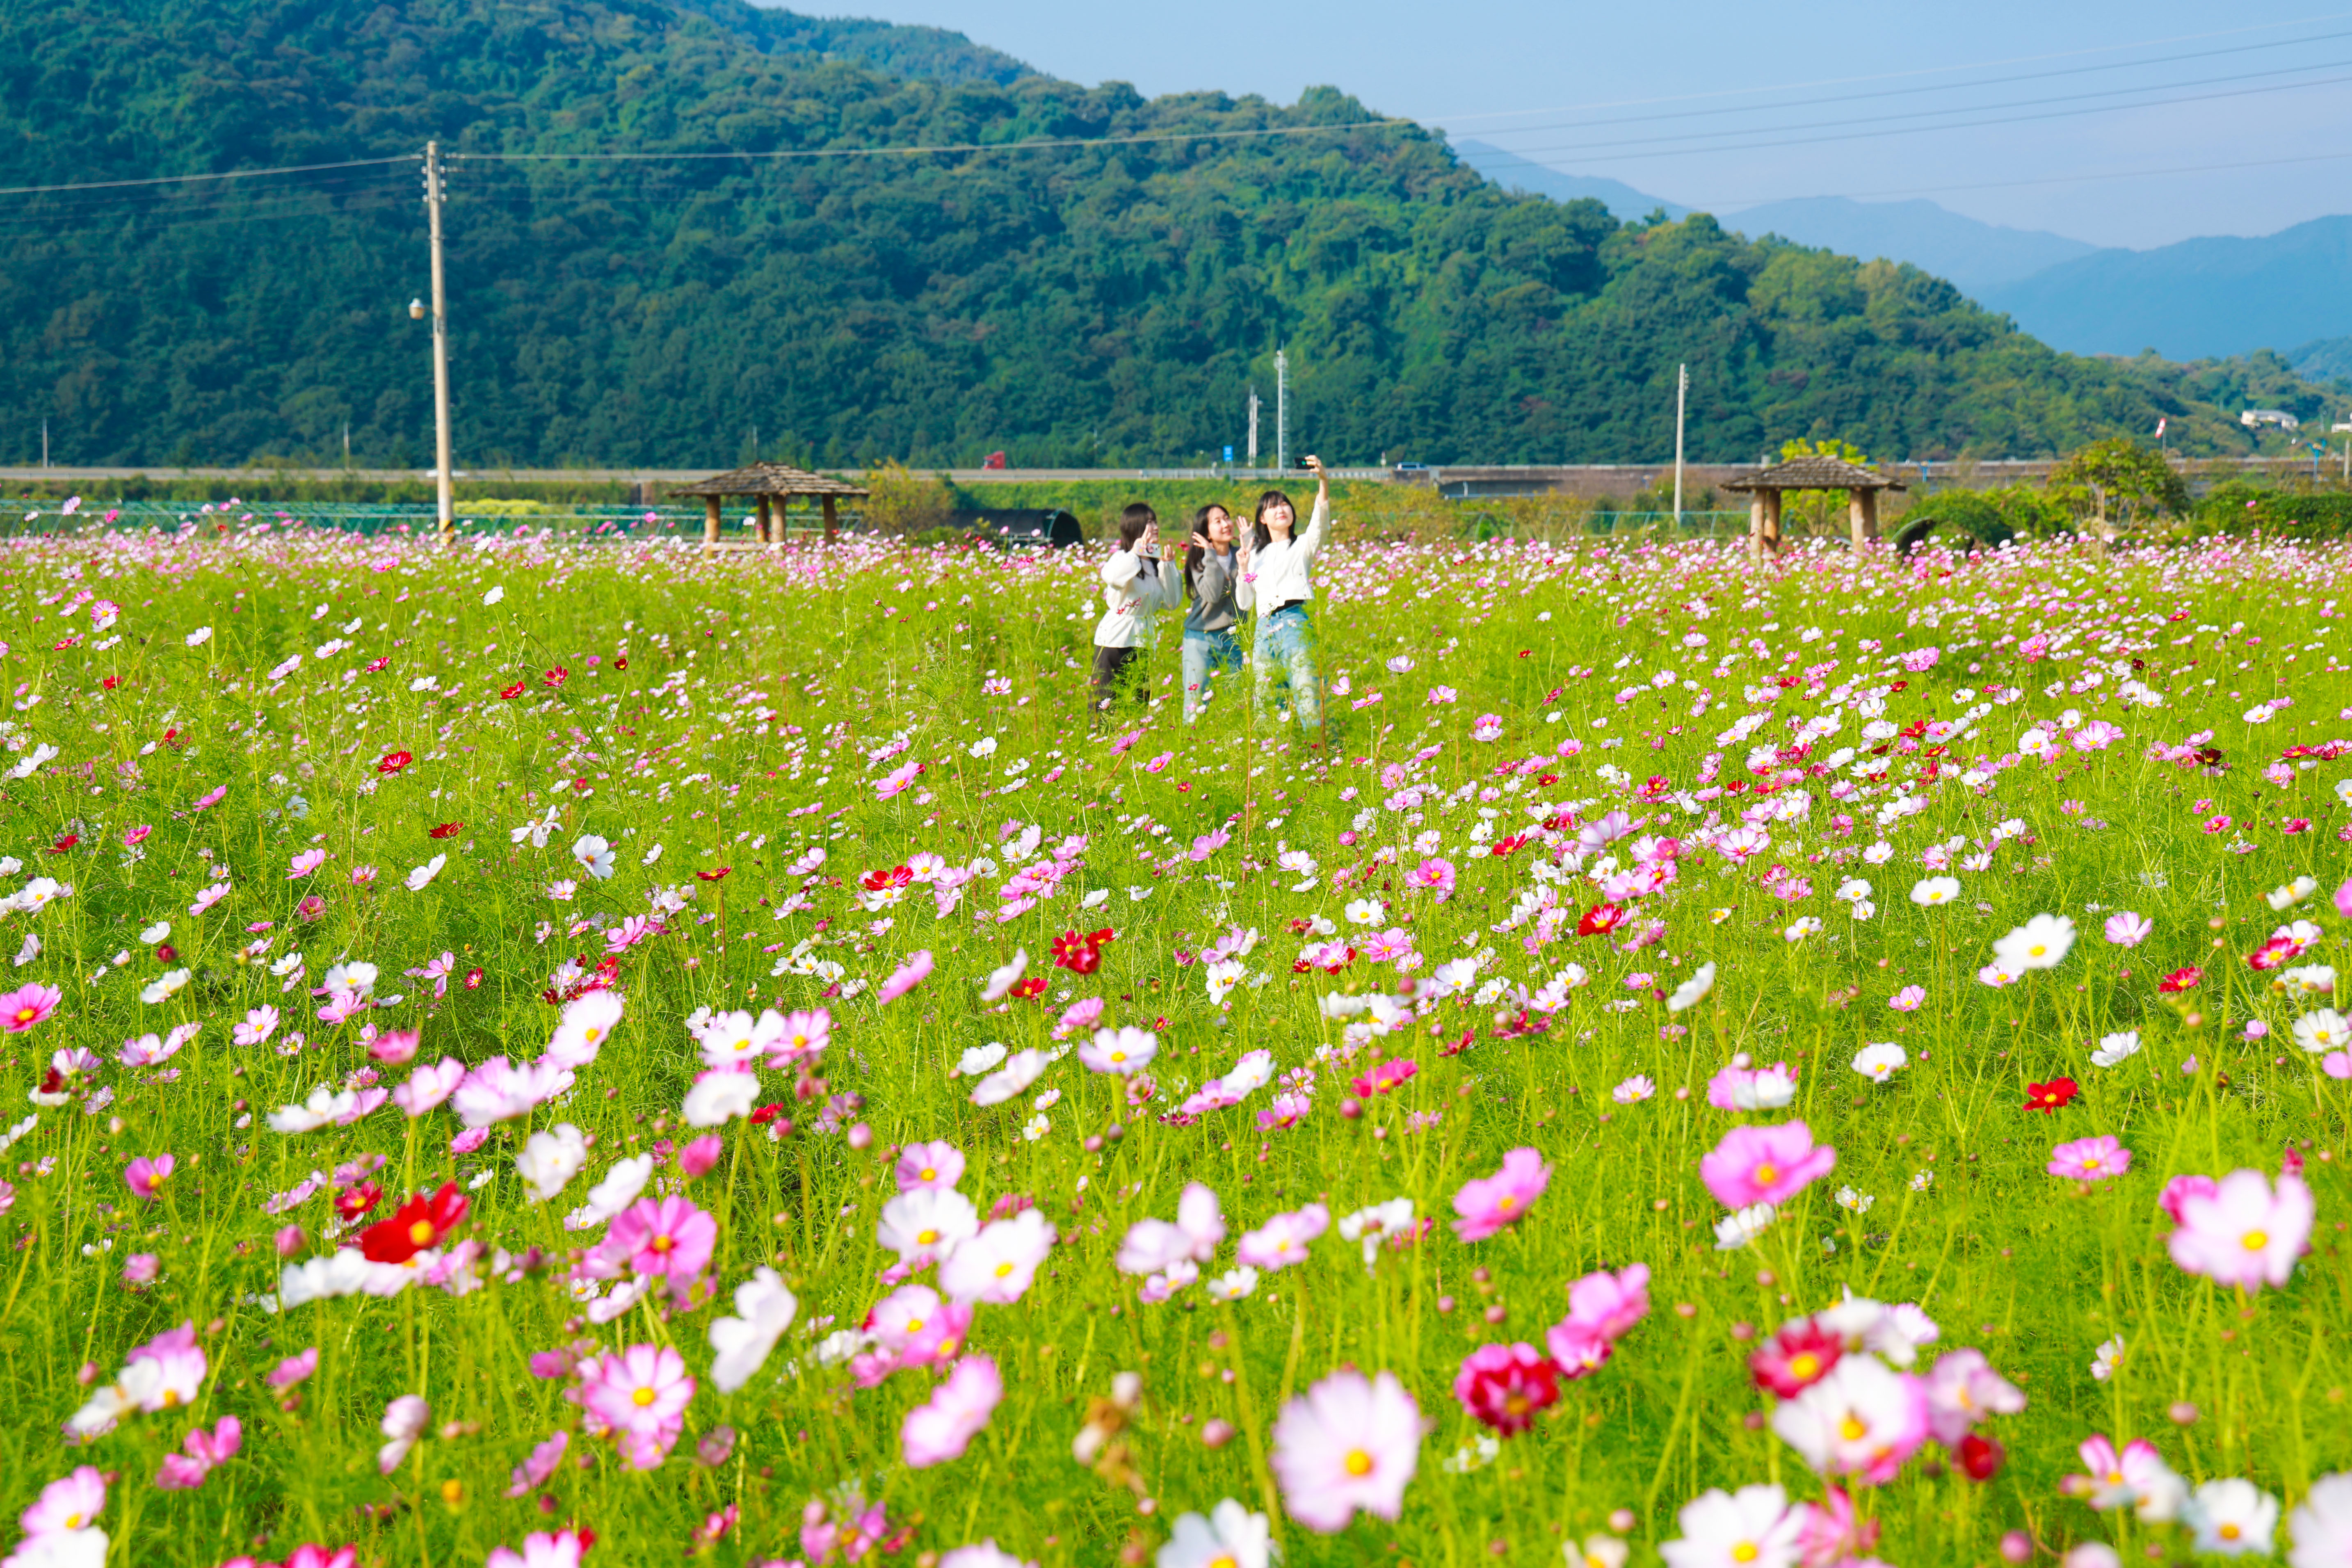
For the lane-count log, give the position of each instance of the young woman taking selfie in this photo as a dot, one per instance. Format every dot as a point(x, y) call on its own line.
point(1279, 579)
point(1134, 590)
point(1214, 573)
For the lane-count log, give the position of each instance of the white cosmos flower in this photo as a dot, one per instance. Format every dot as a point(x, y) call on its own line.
point(1878, 1061)
point(924, 1223)
point(1740, 1228)
point(717, 1098)
point(2042, 943)
point(493, 596)
point(550, 1159)
point(2115, 1048)
point(1231, 1536)
point(1011, 1079)
point(164, 986)
point(594, 855)
point(743, 1342)
point(1692, 990)
point(198, 637)
point(426, 873)
point(2320, 1031)
point(1000, 981)
point(977, 1059)
point(1930, 892)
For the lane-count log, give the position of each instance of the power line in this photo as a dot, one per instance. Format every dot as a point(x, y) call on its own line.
point(1040, 143)
point(1734, 207)
point(184, 179)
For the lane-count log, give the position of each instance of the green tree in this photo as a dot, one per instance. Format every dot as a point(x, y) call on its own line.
point(2112, 485)
point(1818, 513)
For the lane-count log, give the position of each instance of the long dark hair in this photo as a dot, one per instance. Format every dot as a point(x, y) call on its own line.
point(1136, 521)
point(1260, 535)
point(1192, 551)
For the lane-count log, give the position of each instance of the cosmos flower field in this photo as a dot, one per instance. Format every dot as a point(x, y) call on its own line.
point(542, 1053)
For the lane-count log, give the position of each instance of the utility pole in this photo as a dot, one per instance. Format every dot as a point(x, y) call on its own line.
point(1252, 442)
point(1281, 410)
point(45, 443)
point(1682, 390)
point(434, 197)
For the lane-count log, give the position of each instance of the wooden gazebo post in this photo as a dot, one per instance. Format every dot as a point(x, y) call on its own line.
point(710, 520)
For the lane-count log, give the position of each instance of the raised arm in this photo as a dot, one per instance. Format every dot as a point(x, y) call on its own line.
point(1319, 523)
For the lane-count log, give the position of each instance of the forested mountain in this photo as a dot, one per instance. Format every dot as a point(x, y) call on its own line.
point(1108, 295)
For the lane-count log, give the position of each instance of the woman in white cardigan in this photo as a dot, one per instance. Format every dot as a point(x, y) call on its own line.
point(1280, 584)
point(1135, 586)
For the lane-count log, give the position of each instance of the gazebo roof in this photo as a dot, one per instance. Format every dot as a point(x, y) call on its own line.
point(1814, 473)
point(769, 480)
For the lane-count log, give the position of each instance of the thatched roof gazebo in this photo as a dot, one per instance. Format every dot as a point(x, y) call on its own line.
point(1766, 486)
point(772, 486)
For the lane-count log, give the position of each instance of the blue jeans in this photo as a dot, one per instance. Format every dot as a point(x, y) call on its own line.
point(1285, 654)
point(1204, 653)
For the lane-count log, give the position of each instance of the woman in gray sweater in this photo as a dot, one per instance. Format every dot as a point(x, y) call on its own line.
point(1217, 591)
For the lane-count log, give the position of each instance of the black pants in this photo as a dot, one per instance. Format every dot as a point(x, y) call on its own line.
point(1116, 667)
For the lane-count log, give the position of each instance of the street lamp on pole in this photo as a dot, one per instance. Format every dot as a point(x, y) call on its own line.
point(434, 196)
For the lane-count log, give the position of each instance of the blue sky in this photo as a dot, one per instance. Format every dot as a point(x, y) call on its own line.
point(2205, 118)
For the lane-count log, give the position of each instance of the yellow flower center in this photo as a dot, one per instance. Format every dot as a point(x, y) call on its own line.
point(1517, 1404)
point(2229, 1532)
point(2091, 1164)
point(1118, 1056)
point(1359, 1462)
point(915, 1327)
point(1745, 1553)
point(2255, 1240)
point(928, 1237)
point(171, 1398)
point(1507, 1203)
point(642, 1397)
point(1767, 1172)
point(73, 1522)
point(662, 1243)
point(1852, 1430)
point(1003, 1270)
point(1807, 1366)
point(420, 1232)
point(930, 1173)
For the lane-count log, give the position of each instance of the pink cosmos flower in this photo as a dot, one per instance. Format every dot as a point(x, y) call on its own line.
point(145, 1176)
point(258, 1026)
point(1861, 1418)
point(1908, 1000)
point(26, 1005)
point(2245, 1232)
point(804, 1035)
point(1764, 1164)
point(2090, 1158)
point(563, 1549)
point(303, 864)
point(942, 1427)
point(177, 1366)
point(1434, 875)
point(1609, 1304)
point(1487, 1203)
point(913, 973)
point(185, 1472)
point(1284, 1240)
point(2181, 1188)
point(1346, 1444)
point(69, 1503)
point(428, 1087)
point(929, 1165)
point(666, 1238)
point(1962, 1390)
point(2126, 929)
point(699, 1157)
point(533, 1472)
point(641, 1393)
point(1576, 1348)
point(917, 1329)
point(294, 1369)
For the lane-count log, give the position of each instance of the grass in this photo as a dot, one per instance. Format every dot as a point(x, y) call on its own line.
point(725, 711)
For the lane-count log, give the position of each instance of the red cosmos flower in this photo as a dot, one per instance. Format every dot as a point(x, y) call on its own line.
point(1388, 1076)
point(2181, 980)
point(719, 874)
point(1081, 953)
point(1505, 847)
point(1601, 920)
point(111, 681)
point(621, 662)
point(391, 763)
point(896, 876)
point(1506, 1386)
point(2052, 1096)
point(474, 979)
point(1034, 986)
point(1544, 779)
point(68, 842)
point(766, 1114)
point(555, 677)
point(418, 1223)
point(1979, 1457)
point(377, 665)
point(355, 1201)
point(2274, 953)
point(512, 692)
point(1797, 1357)
point(446, 830)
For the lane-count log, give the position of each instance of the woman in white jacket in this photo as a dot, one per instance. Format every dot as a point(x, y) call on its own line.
point(1135, 588)
point(1280, 584)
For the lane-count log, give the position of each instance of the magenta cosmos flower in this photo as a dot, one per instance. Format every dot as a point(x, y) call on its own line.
point(146, 1176)
point(2243, 1233)
point(667, 1238)
point(1348, 1443)
point(2090, 1158)
point(1764, 1164)
point(1487, 1203)
point(26, 1005)
point(1608, 1304)
point(642, 1395)
point(942, 1427)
